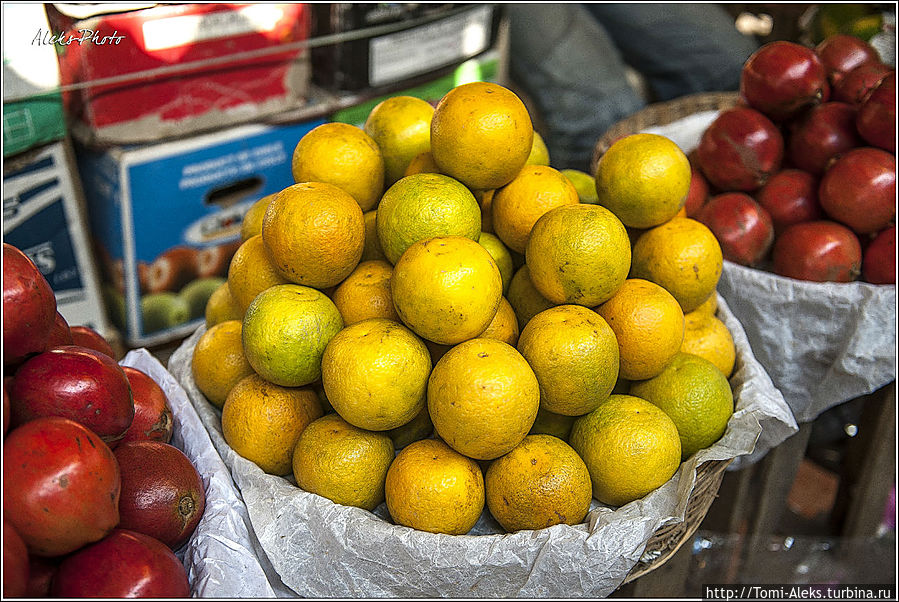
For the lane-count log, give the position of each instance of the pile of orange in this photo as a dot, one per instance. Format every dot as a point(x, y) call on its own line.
point(435, 318)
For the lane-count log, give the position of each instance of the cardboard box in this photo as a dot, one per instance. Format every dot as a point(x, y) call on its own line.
point(32, 104)
point(427, 39)
point(178, 69)
point(43, 215)
point(166, 219)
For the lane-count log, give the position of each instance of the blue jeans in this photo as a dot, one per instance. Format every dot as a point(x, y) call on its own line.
point(570, 60)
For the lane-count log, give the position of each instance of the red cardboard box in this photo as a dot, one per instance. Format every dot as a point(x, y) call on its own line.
point(184, 61)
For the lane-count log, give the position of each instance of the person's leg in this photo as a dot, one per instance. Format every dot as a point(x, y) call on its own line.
point(679, 48)
point(564, 61)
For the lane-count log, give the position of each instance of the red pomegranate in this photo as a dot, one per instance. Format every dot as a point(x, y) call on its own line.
point(29, 307)
point(879, 259)
point(6, 404)
point(841, 53)
point(60, 334)
point(740, 150)
point(60, 485)
point(822, 251)
point(15, 563)
point(790, 197)
point(85, 336)
point(742, 227)
point(152, 414)
point(162, 492)
point(822, 133)
point(876, 120)
point(855, 86)
point(40, 574)
point(75, 382)
point(698, 192)
point(123, 564)
point(859, 189)
point(781, 78)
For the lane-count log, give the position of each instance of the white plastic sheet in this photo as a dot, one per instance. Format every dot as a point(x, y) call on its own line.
point(822, 343)
point(321, 549)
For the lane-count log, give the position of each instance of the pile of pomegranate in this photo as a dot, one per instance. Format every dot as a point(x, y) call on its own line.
point(95, 498)
point(800, 177)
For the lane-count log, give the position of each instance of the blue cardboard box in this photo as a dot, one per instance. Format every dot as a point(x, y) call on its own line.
point(166, 219)
point(44, 217)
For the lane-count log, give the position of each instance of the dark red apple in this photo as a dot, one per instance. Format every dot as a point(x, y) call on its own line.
point(172, 269)
point(698, 192)
point(879, 259)
point(841, 53)
point(123, 564)
point(40, 574)
point(162, 492)
point(6, 408)
point(152, 414)
point(740, 150)
point(85, 336)
point(60, 485)
point(876, 120)
point(29, 307)
point(822, 133)
point(741, 225)
point(781, 78)
point(74, 382)
point(790, 197)
point(60, 334)
point(855, 86)
point(15, 563)
point(822, 251)
point(859, 189)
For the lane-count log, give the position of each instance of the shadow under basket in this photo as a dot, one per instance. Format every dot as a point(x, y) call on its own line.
point(662, 113)
point(667, 540)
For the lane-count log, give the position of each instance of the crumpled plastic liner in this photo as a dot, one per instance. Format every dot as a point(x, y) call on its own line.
point(223, 556)
point(822, 343)
point(322, 549)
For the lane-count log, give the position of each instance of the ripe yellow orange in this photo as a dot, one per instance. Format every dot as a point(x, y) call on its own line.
point(524, 297)
point(504, 326)
point(416, 429)
point(342, 155)
point(446, 289)
point(630, 447)
point(518, 205)
point(422, 163)
point(584, 183)
point(485, 201)
point(549, 423)
point(401, 125)
point(222, 306)
point(431, 487)
point(643, 179)
point(574, 355)
point(695, 395)
point(539, 153)
point(371, 249)
point(422, 206)
point(501, 256)
point(481, 134)
point(682, 256)
point(540, 483)
point(343, 463)
point(483, 398)
point(285, 332)
point(251, 271)
point(218, 361)
point(578, 254)
point(366, 293)
point(252, 219)
point(708, 337)
point(262, 421)
point(649, 325)
point(375, 374)
point(314, 234)
point(709, 306)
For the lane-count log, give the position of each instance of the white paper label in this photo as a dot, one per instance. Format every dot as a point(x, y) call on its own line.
point(188, 29)
point(407, 53)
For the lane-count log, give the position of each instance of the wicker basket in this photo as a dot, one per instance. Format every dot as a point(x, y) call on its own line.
point(663, 113)
point(668, 540)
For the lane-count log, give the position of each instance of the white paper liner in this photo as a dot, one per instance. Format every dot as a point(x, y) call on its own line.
point(821, 343)
point(322, 549)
